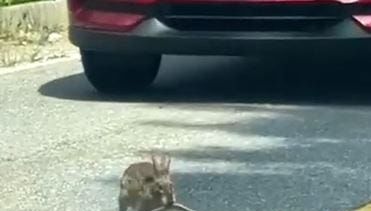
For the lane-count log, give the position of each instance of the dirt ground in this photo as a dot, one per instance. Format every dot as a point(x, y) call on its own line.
point(34, 48)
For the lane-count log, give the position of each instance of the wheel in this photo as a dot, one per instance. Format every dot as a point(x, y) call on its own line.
point(114, 72)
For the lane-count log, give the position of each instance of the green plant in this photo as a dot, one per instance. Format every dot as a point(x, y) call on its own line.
point(13, 2)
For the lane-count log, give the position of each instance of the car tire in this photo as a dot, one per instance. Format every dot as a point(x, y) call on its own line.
point(117, 72)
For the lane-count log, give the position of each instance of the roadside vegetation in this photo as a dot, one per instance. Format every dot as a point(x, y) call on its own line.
point(32, 32)
point(14, 2)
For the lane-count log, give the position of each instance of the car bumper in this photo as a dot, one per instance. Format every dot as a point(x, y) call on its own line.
point(345, 39)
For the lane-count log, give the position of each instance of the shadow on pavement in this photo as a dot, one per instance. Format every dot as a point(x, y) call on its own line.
point(269, 186)
point(314, 159)
point(299, 159)
point(233, 79)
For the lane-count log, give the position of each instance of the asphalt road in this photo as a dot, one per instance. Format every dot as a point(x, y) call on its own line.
point(243, 136)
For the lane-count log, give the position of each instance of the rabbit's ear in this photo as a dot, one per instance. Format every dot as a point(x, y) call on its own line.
point(156, 163)
point(165, 162)
point(161, 163)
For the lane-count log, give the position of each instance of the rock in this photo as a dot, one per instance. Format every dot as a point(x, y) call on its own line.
point(54, 37)
point(36, 55)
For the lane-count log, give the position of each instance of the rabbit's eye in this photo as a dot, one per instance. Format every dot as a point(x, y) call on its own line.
point(149, 179)
point(160, 189)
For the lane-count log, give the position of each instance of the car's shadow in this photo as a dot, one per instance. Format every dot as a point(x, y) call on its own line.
point(233, 79)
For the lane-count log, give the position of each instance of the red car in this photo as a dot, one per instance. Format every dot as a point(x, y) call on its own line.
point(122, 41)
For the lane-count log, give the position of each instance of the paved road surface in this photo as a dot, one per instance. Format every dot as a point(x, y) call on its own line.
point(242, 136)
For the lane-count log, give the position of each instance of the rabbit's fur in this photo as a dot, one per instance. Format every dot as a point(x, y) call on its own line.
point(145, 186)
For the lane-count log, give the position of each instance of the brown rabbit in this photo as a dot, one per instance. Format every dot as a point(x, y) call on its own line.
point(145, 186)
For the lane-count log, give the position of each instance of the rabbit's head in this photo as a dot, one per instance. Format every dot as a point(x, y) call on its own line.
point(161, 186)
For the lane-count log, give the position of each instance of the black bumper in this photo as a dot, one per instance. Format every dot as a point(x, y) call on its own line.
point(345, 39)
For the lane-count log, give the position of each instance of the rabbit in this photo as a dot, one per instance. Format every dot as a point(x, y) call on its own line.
point(145, 186)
